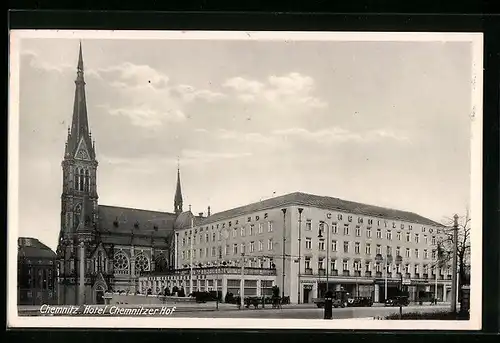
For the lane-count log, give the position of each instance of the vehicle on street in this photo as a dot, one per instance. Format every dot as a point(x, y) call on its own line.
point(397, 301)
point(360, 302)
point(340, 299)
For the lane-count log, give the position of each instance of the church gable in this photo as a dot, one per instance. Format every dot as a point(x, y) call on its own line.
point(82, 152)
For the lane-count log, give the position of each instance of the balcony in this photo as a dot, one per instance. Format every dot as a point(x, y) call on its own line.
point(345, 273)
point(416, 276)
point(408, 275)
point(357, 273)
point(425, 276)
point(308, 271)
point(368, 273)
point(211, 270)
point(378, 274)
point(321, 272)
point(448, 277)
point(389, 275)
point(334, 272)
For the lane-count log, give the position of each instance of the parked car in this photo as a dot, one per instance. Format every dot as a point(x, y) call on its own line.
point(397, 301)
point(361, 302)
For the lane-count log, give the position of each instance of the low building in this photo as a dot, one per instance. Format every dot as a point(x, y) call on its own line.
point(299, 241)
point(36, 272)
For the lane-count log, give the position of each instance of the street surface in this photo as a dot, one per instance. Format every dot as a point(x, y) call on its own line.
point(208, 310)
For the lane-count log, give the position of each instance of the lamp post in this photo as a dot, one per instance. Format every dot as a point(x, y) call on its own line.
point(300, 244)
point(388, 261)
point(242, 283)
point(191, 257)
point(284, 240)
point(399, 261)
point(320, 236)
point(455, 261)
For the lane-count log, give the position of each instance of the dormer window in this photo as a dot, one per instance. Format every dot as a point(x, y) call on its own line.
point(115, 223)
point(136, 225)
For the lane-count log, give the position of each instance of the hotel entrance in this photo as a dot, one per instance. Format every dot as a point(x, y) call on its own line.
point(307, 294)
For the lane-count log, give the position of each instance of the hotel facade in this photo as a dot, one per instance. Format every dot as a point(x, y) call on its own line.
point(298, 241)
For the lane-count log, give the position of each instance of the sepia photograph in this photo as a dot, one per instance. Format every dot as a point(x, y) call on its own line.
point(197, 179)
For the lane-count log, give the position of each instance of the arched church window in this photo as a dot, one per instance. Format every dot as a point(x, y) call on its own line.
point(141, 263)
point(87, 181)
point(100, 260)
point(161, 263)
point(121, 264)
point(82, 179)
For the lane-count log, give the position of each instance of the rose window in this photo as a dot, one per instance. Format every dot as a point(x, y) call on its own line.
point(141, 263)
point(121, 263)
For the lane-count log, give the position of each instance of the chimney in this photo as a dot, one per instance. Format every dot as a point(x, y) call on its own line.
point(200, 214)
point(208, 213)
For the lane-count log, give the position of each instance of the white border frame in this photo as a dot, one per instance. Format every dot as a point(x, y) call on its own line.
point(475, 322)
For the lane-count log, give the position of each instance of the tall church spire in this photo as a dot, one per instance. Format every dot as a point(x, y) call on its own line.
point(80, 124)
point(178, 192)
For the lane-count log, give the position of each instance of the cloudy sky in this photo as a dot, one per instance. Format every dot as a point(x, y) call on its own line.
point(385, 123)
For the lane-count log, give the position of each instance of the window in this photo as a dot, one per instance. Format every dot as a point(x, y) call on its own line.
point(407, 268)
point(320, 264)
point(242, 231)
point(398, 268)
point(334, 246)
point(261, 245)
point(308, 243)
point(308, 225)
point(201, 253)
point(423, 228)
point(379, 233)
point(398, 235)
point(235, 249)
point(252, 246)
point(183, 255)
point(234, 233)
point(184, 242)
point(346, 230)
point(389, 251)
point(121, 264)
point(368, 249)
point(426, 240)
point(360, 220)
point(358, 232)
point(269, 226)
point(408, 252)
point(398, 251)
point(321, 245)
point(226, 251)
point(252, 229)
point(333, 265)
point(433, 240)
point(370, 221)
point(206, 251)
point(417, 253)
point(307, 263)
point(335, 230)
point(408, 237)
point(270, 244)
point(417, 238)
point(426, 254)
point(389, 235)
point(345, 265)
point(141, 263)
point(410, 227)
point(416, 269)
point(379, 249)
point(393, 225)
point(434, 254)
point(357, 265)
point(243, 248)
point(346, 247)
point(339, 216)
point(402, 226)
point(368, 266)
point(261, 228)
point(356, 248)
point(213, 252)
point(349, 219)
point(378, 267)
point(369, 233)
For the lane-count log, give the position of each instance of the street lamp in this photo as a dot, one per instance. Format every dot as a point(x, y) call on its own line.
point(284, 239)
point(388, 261)
point(299, 259)
point(399, 261)
point(320, 236)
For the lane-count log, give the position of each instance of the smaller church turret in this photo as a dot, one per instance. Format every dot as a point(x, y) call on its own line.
point(178, 194)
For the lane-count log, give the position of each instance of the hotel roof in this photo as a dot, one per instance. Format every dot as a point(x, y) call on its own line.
point(323, 202)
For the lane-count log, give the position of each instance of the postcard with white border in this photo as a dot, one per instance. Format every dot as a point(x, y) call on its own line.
point(203, 179)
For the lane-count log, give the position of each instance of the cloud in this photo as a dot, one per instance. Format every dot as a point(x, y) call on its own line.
point(147, 117)
point(246, 137)
point(189, 94)
point(35, 62)
point(205, 156)
point(339, 135)
point(133, 76)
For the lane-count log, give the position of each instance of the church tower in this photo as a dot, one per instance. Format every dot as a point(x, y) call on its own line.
point(78, 199)
point(178, 194)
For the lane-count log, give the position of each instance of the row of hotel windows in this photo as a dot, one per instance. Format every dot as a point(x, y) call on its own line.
point(217, 251)
point(216, 236)
point(368, 249)
point(360, 220)
point(357, 265)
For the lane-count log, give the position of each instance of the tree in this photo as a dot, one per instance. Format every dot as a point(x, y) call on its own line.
point(445, 248)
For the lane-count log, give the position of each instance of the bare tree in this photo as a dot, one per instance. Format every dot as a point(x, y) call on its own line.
point(445, 248)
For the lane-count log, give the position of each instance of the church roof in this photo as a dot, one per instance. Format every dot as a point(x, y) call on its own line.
point(323, 202)
point(121, 225)
point(32, 248)
point(183, 221)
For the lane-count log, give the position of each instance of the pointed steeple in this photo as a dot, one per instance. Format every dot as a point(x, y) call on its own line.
point(178, 192)
point(80, 124)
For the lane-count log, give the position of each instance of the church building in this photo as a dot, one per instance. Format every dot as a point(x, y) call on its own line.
point(105, 248)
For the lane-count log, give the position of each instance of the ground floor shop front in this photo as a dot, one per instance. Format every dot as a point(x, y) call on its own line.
point(377, 289)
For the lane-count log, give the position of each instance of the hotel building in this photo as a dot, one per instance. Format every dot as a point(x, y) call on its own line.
point(282, 241)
